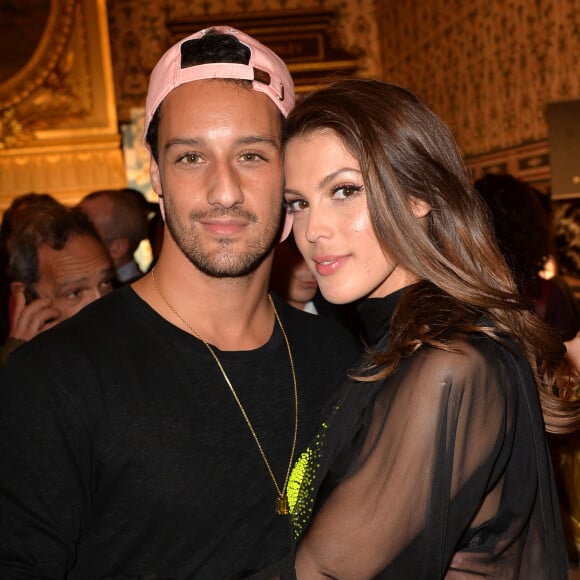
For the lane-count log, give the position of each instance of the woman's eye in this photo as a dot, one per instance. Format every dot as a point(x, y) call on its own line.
point(346, 191)
point(295, 205)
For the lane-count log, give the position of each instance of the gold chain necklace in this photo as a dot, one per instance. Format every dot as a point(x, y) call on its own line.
point(282, 500)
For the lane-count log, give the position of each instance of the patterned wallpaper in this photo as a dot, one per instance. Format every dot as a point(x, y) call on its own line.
point(488, 67)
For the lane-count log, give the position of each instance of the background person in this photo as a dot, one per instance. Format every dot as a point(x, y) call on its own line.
point(523, 228)
point(291, 279)
point(9, 219)
point(567, 233)
point(121, 218)
point(57, 265)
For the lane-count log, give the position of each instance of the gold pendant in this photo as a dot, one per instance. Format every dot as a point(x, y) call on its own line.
point(282, 508)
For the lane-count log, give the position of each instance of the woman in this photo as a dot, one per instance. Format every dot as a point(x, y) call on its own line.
point(291, 279)
point(432, 461)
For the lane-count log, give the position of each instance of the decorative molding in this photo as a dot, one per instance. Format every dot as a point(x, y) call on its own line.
point(529, 163)
point(46, 57)
point(66, 172)
point(58, 114)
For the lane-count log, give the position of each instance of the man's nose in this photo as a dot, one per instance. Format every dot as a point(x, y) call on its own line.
point(225, 188)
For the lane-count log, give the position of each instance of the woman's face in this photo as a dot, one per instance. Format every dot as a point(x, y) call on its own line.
point(325, 193)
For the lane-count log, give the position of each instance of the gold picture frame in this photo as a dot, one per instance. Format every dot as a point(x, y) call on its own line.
point(45, 57)
point(58, 122)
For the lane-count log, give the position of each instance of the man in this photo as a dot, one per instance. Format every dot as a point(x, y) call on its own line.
point(19, 205)
point(120, 216)
point(166, 416)
point(57, 265)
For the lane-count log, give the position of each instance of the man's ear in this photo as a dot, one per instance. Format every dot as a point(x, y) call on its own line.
point(287, 228)
point(156, 183)
point(17, 287)
point(419, 207)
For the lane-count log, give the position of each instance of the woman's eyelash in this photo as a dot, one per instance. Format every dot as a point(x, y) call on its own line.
point(348, 187)
point(292, 205)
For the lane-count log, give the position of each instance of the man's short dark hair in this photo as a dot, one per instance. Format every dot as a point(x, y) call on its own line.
point(19, 204)
point(48, 225)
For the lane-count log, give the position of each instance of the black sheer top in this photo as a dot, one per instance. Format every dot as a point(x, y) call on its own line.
point(439, 471)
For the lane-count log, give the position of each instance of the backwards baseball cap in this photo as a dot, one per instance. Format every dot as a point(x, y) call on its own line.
point(266, 70)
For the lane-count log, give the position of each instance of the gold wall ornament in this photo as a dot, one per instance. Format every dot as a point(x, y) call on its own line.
point(11, 132)
point(58, 122)
point(45, 57)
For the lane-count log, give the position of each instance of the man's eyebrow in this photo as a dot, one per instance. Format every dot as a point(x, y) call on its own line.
point(183, 141)
point(255, 139)
point(271, 140)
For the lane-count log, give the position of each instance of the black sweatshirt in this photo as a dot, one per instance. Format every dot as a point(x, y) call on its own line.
point(123, 453)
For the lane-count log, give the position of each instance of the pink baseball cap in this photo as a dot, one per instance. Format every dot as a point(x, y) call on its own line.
point(266, 70)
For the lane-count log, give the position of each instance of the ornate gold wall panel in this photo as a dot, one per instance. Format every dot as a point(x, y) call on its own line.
point(58, 122)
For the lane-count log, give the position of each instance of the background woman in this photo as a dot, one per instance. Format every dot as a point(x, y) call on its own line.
point(432, 461)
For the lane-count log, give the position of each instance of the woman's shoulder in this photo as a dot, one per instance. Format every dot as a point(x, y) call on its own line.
point(469, 361)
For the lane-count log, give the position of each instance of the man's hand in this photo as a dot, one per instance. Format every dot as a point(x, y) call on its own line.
point(32, 319)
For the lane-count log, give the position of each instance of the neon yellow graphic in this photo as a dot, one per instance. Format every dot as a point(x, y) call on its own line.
point(296, 478)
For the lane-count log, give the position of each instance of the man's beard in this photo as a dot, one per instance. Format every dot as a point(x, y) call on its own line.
point(223, 262)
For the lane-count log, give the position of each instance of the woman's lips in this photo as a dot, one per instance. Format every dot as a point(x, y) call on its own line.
point(326, 265)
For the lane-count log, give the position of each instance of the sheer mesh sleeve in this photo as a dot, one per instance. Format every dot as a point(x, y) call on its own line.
point(445, 475)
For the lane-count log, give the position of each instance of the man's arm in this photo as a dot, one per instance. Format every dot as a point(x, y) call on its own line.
point(44, 467)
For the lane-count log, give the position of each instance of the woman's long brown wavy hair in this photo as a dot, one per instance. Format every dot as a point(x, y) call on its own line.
point(405, 151)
